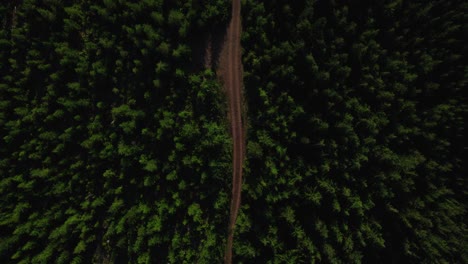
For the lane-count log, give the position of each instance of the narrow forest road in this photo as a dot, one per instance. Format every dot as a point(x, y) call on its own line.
point(231, 74)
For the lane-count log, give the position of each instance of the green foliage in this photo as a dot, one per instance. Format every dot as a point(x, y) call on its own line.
point(345, 156)
point(115, 144)
point(92, 120)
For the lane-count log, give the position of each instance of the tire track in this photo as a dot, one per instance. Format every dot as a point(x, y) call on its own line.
point(231, 75)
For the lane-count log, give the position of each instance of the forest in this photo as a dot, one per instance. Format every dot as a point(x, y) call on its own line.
point(115, 144)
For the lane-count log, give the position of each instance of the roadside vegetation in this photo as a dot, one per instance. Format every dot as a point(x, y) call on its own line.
point(115, 144)
point(357, 117)
point(114, 149)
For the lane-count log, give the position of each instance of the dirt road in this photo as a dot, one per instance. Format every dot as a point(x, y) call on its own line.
point(231, 74)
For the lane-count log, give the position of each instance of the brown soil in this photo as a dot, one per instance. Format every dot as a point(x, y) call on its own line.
point(230, 72)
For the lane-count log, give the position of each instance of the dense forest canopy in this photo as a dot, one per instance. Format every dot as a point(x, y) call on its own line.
point(357, 117)
point(114, 148)
point(115, 145)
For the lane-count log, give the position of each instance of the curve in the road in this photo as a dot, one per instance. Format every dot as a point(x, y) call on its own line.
point(232, 77)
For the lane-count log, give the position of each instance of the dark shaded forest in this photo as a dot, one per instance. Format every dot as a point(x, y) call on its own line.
point(115, 145)
point(114, 142)
point(357, 120)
